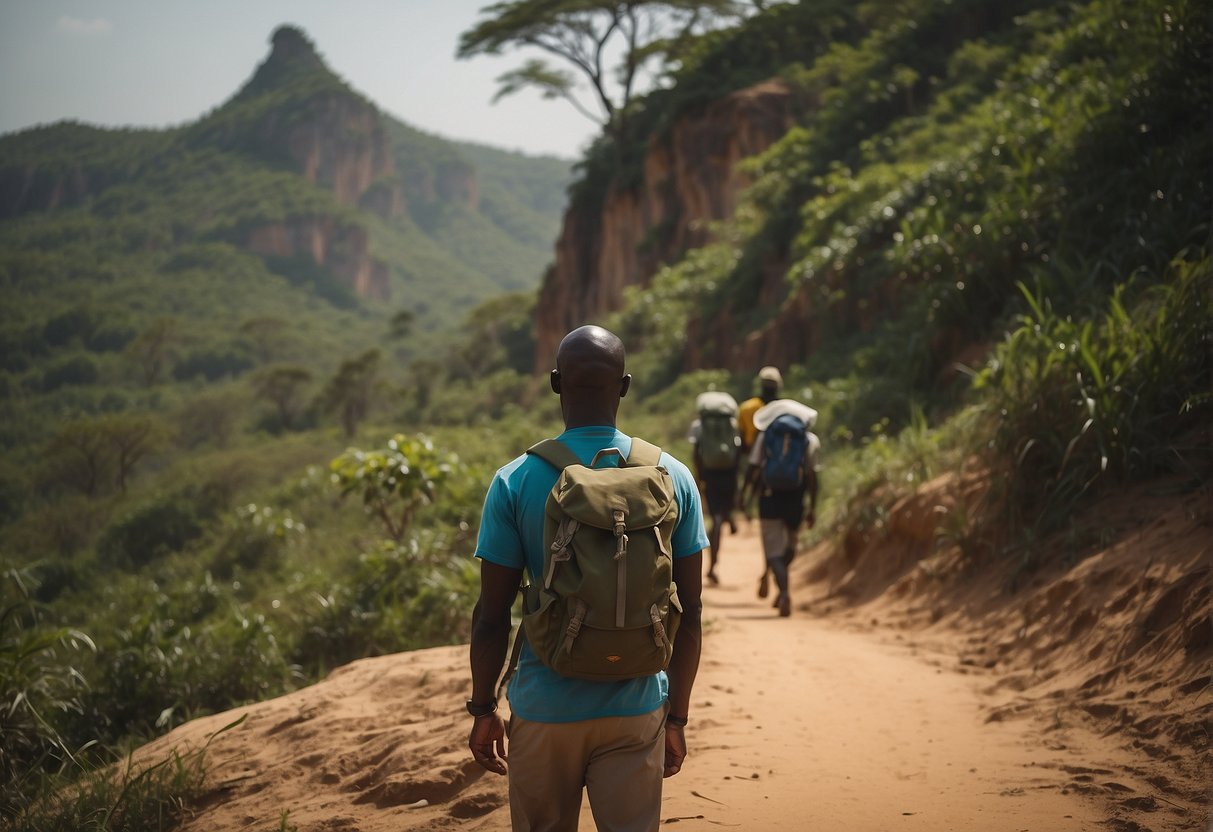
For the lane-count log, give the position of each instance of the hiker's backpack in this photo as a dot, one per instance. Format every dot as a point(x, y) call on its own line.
point(719, 441)
point(605, 607)
point(783, 445)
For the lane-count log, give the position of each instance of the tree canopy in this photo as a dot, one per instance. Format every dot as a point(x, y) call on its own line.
point(589, 35)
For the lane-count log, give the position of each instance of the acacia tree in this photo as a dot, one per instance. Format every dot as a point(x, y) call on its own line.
point(96, 446)
point(348, 392)
point(86, 452)
point(152, 349)
point(283, 385)
point(586, 34)
point(131, 437)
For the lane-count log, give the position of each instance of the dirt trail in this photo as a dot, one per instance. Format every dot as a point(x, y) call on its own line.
point(800, 725)
point(797, 724)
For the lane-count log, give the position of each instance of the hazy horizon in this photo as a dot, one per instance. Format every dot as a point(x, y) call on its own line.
point(121, 63)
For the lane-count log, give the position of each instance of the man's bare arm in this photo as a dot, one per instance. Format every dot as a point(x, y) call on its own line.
point(684, 663)
point(490, 642)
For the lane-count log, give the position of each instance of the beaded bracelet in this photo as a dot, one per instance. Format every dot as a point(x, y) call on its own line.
point(676, 721)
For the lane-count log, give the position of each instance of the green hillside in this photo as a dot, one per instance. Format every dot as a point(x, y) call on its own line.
point(190, 321)
point(132, 279)
point(986, 236)
point(970, 185)
point(126, 228)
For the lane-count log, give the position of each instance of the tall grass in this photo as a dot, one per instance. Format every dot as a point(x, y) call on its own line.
point(38, 688)
point(123, 797)
point(1078, 403)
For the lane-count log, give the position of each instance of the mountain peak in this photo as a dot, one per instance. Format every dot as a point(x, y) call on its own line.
point(293, 56)
point(293, 47)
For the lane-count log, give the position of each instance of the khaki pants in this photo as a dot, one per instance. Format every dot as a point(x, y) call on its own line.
point(778, 544)
point(618, 760)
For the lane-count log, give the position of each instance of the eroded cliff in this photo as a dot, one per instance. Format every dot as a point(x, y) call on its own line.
point(690, 178)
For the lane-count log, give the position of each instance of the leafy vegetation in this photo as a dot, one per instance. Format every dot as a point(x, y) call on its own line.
point(178, 367)
point(1076, 405)
point(951, 152)
point(990, 220)
point(586, 37)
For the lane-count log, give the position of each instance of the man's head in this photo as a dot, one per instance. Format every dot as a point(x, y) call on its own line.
point(769, 381)
point(589, 376)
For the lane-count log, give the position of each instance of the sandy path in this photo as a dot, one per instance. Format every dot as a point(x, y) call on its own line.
point(797, 724)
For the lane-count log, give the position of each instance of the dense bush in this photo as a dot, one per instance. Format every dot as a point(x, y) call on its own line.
point(213, 363)
point(110, 336)
point(1076, 405)
point(149, 532)
point(39, 686)
point(399, 596)
point(76, 370)
point(78, 323)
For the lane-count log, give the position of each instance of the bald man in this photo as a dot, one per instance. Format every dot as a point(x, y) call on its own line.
point(616, 740)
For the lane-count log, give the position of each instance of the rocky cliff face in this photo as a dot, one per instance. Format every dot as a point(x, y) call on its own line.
point(341, 147)
point(343, 251)
point(295, 110)
point(690, 179)
point(451, 183)
point(24, 189)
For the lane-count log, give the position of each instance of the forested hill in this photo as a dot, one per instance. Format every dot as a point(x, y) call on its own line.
point(296, 198)
point(910, 164)
point(973, 233)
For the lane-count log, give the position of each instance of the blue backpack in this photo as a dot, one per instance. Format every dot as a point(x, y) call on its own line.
point(783, 444)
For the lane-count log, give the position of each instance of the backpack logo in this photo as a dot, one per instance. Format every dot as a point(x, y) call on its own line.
point(605, 607)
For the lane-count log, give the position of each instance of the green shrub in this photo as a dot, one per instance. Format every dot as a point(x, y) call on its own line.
point(150, 532)
point(1078, 402)
point(76, 370)
point(399, 596)
point(394, 482)
point(213, 363)
point(39, 686)
point(120, 797)
point(256, 538)
point(192, 650)
point(110, 336)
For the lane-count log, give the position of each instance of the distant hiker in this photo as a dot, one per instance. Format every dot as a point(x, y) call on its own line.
point(769, 382)
point(590, 706)
point(782, 470)
point(716, 443)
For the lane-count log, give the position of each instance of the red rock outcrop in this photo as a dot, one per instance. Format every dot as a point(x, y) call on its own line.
point(449, 182)
point(690, 179)
point(333, 138)
point(341, 147)
point(328, 133)
point(30, 189)
point(343, 251)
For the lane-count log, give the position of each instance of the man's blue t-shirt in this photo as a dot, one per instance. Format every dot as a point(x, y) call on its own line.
point(511, 535)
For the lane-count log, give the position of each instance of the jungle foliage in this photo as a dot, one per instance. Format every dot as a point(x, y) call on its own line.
point(220, 480)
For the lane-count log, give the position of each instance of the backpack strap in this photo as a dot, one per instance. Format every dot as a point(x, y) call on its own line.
point(512, 666)
point(644, 453)
point(555, 453)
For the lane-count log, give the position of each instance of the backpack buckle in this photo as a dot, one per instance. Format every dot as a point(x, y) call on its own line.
point(574, 627)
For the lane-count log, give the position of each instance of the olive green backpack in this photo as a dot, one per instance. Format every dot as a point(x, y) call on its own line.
point(605, 607)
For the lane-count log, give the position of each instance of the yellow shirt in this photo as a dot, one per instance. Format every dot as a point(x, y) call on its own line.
point(745, 421)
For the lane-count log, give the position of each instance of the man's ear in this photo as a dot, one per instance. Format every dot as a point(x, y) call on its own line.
point(623, 388)
point(554, 380)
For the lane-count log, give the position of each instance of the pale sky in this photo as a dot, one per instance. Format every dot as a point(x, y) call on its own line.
point(152, 63)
